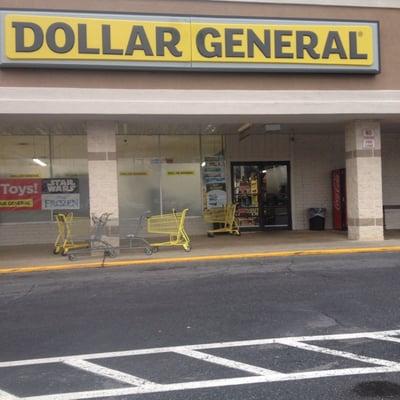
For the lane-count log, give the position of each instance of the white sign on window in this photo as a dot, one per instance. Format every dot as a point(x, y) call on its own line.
point(69, 201)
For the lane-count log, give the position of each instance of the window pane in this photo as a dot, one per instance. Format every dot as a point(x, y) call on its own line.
point(180, 148)
point(181, 187)
point(69, 160)
point(16, 161)
point(211, 145)
point(180, 174)
point(138, 175)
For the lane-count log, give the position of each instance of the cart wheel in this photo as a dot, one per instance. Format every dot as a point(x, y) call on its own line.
point(148, 251)
point(71, 257)
point(155, 249)
point(64, 252)
point(237, 233)
point(110, 253)
point(56, 251)
point(210, 235)
point(187, 247)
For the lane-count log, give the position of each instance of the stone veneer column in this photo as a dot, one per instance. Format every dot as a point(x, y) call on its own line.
point(364, 180)
point(103, 176)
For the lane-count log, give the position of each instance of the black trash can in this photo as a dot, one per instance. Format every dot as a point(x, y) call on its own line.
point(317, 218)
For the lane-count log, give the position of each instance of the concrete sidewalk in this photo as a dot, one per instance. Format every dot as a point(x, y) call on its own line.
point(257, 244)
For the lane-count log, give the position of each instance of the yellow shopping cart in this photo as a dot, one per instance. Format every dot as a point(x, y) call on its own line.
point(225, 217)
point(64, 241)
point(172, 225)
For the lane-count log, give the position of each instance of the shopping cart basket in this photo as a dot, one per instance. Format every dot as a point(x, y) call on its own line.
point(64, 241)
point(172, 225)
point(225, 217)
point(96, 242)
point(136, 240)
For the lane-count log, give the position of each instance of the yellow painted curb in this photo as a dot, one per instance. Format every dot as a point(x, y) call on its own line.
point(171, 260)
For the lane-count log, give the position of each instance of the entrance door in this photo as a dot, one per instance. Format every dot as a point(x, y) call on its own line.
point(261, 191)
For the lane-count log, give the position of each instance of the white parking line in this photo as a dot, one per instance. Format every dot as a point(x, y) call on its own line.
point(263, 375)
point(338, 353)
point(387, 338)
point(7, 396)
point(217, 383)
point(228, 363)
point(208, 346)
point(108, 372)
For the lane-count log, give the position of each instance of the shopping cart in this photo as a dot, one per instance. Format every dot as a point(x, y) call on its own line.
point(225, 217)
point(97, 242)
point(64, 241)
point(170, 224)
point(135, 240)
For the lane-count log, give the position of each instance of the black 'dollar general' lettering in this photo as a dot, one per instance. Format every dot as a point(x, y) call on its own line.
point(38, 37)
point(231, 42)
point(309, 46)
point(281, 44)
point(354, 54)
point(170, 44)
point(82, 41)
point(201, 43)
point(138, 34)
point(69, 38)
point(106, 36)
point(334, 45)
point(263, 45)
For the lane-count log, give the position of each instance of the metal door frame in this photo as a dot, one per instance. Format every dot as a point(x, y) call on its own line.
point(260, 164)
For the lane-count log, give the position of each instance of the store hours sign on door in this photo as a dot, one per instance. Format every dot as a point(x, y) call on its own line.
point(60, 194)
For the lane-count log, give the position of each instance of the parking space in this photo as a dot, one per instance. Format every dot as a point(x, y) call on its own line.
point(204, 366)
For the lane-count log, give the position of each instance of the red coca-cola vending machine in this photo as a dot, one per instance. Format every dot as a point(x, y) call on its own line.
point(339, 206)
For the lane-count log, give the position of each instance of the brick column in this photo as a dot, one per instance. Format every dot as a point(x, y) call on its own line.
point(364, 180)
point(103, 177)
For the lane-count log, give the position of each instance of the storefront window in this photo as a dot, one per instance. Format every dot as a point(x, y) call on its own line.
point(158, 173)
point(27, 162)
point(19, 170)
point(138, 175)
point(212, 146)
point(69, 160)
point(180, 173)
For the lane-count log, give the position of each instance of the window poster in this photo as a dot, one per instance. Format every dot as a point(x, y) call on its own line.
point(39, 194)
point(60, 194)
point(214, 182)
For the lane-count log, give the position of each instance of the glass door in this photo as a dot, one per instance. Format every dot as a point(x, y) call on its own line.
point(246, 194)
point(274, 193)
point(262, 195)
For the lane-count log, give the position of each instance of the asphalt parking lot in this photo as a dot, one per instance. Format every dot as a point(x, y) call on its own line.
point(312, 328)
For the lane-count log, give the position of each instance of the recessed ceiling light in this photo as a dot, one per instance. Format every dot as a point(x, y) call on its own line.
point(38, 161)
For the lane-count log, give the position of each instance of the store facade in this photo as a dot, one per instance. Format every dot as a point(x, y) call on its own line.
point(157, 105)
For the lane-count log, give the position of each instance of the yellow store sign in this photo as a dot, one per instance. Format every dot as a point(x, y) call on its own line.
point(135, 41)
